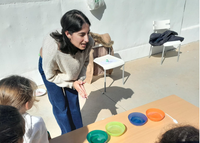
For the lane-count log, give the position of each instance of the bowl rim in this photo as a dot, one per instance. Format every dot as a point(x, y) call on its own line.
point(159, 111)
point(116, 123)
point(142, 116)
point(103, 132)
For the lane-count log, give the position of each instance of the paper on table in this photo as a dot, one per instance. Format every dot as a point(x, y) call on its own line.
point(108, 61)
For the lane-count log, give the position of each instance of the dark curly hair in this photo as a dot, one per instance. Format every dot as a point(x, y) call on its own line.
point(180, 134)
point(72, 21)
point(12, 125)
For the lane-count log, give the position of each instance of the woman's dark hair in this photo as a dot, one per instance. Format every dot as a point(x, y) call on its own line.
point(72, 21)
point(12, 125)
point(180, 134)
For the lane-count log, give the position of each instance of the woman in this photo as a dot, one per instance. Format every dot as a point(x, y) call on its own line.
point(62, 65)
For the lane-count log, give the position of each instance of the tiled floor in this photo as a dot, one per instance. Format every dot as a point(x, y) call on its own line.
point(145, 81)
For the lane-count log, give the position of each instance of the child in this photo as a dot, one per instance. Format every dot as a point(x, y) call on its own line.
point(180, 134)
point(19, 92)
point(12, 125)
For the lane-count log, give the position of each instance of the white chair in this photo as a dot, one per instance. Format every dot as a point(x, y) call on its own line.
point(163, 26)
point(108, 62)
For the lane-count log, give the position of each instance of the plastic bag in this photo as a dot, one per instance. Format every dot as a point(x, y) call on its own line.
point(95, 4)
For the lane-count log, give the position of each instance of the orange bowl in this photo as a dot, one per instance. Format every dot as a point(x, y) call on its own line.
point(155, 114)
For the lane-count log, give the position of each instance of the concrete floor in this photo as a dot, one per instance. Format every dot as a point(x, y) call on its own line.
point(145, 81)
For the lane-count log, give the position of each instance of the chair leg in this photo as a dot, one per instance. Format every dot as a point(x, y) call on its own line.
point(179, 46)
point(104, 80)
point(150, 52)
point(123, 75)
point(162, 55)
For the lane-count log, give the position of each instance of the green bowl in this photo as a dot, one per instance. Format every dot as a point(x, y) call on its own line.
point(115, 128)
point(97, 136)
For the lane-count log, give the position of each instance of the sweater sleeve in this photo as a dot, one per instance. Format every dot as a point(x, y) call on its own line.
point(54, 75)
point(58, 78)
point(82, 74)
point(50, 66)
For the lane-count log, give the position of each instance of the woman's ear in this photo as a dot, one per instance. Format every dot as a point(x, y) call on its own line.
point(68, 34)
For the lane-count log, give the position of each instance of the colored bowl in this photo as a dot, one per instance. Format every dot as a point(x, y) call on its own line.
point(137, 118)
point(115, 128)
point(155, 114)
point(97, 136)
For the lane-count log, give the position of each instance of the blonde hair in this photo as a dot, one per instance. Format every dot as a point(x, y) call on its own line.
point(17, 91)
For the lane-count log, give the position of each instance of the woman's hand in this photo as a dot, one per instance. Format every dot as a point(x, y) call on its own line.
point(79, 86)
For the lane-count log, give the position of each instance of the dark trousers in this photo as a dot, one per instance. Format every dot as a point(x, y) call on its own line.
point(65, 104)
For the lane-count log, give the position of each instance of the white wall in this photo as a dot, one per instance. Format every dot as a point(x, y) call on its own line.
point(24, 24)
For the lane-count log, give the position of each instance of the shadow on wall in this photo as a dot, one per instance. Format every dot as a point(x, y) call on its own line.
point(117, 55)
point(98, 13)
point(97, 102)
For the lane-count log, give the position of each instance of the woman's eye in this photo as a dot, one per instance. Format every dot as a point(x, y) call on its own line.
point(82, 35)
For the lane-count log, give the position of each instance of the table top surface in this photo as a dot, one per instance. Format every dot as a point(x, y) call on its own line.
point(181, 110)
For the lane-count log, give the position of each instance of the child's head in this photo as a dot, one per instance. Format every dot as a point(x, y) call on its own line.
point(17, 91)
point(179, 134)
point(12, 125)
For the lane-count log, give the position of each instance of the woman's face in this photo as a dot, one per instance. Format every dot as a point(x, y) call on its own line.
point(80, 38)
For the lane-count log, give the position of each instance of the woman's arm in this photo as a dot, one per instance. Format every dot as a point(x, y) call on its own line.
point(79, 86)
point(50, 66)
point(82, 74)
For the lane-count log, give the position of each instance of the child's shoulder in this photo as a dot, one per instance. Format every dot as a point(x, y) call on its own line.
point(35, 129)
point(33, 120)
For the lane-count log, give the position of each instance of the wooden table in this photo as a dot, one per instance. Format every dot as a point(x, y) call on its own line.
point(183, 111)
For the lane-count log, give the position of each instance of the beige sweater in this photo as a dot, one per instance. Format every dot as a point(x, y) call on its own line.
point(63, 69)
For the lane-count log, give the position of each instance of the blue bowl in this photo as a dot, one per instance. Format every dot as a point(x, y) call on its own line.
point(137, 118)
